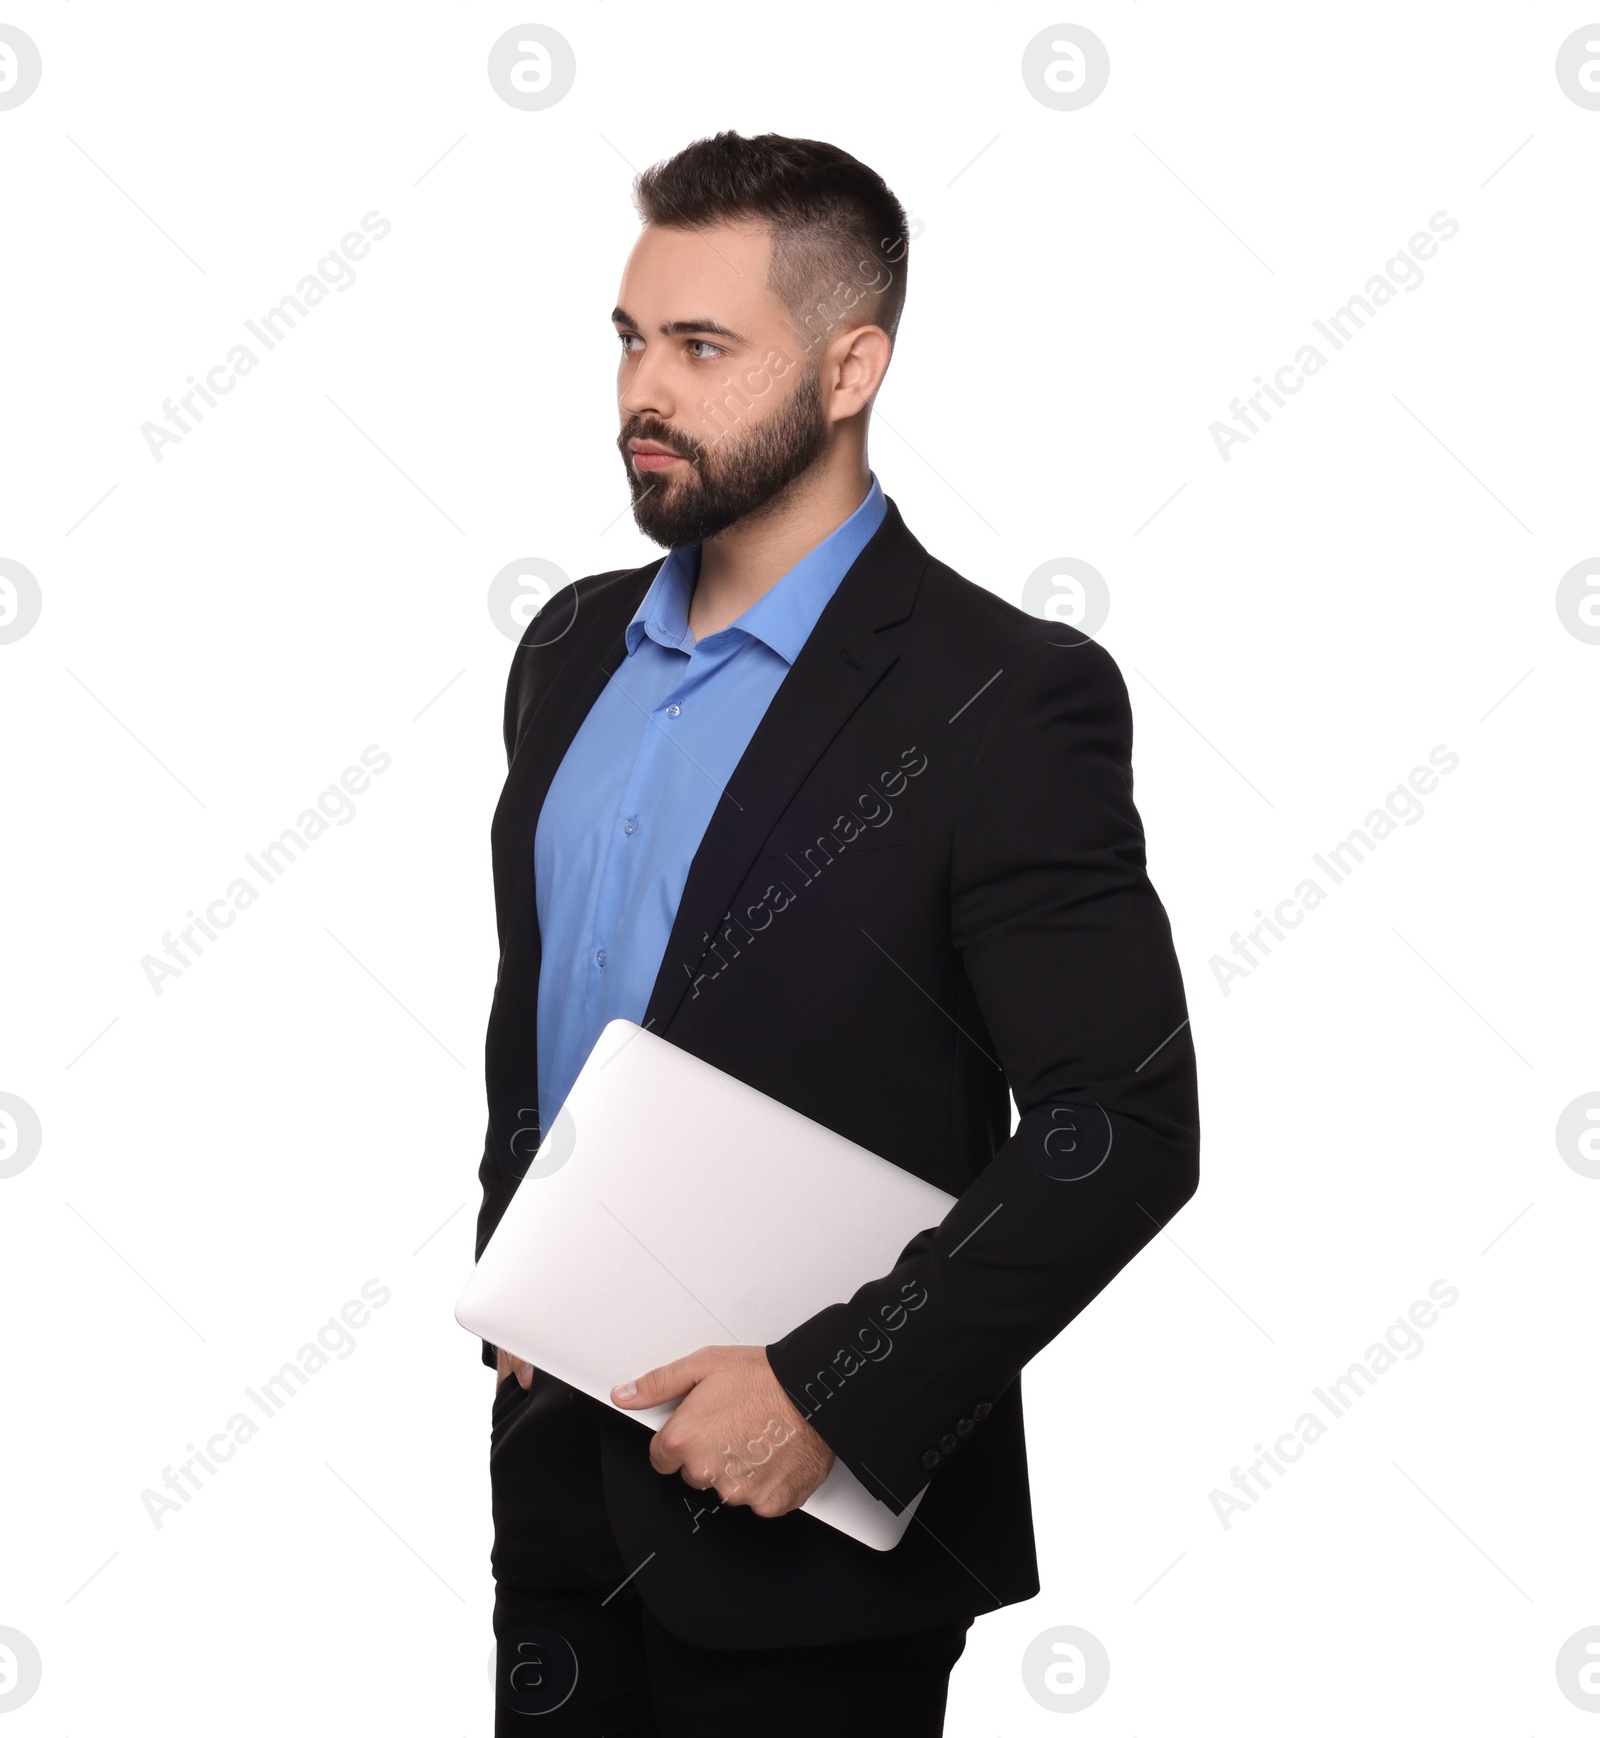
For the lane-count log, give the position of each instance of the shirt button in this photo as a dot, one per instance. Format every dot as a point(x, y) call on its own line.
point(947, 1443)
point(963, 1427)
point(674, 709)
point(982, 1410)
point(600, 957)
point(631, 825)
point(931, 1459)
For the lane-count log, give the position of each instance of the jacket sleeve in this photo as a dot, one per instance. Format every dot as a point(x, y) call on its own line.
point(496, 1185)
point(1069, 954)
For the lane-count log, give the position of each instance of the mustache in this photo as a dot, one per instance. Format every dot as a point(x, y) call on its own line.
point(685, 446)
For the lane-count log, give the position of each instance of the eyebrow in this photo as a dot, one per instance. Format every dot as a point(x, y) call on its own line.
point(680, 328)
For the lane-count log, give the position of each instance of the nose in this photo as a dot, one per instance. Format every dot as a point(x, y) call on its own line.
point(641, 391)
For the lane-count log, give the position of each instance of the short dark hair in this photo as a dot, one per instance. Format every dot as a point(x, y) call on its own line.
point(834, 221)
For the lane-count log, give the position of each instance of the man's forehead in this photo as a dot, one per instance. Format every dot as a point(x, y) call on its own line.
point(679, 274)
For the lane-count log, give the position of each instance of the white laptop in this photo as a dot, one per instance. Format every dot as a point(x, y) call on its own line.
point(672, 1207)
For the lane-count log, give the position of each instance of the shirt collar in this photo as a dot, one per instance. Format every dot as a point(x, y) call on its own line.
point(784, 615)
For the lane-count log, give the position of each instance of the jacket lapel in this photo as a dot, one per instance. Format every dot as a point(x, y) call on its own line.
point(840, 664)
point(545, 733)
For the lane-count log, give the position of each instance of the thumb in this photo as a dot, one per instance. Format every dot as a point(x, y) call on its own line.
point(666, 1382)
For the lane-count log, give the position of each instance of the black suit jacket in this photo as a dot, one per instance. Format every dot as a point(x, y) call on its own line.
point(925, 885)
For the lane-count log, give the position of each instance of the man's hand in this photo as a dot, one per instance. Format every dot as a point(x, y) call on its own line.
point(736, 1431)
point(505, 1365)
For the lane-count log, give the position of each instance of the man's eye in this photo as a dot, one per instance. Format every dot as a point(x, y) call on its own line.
point(705, 344)
point(627, 339)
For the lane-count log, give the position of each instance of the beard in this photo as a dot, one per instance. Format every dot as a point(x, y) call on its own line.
point(728, 479)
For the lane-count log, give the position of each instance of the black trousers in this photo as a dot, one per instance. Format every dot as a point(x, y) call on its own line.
point(579, 1655)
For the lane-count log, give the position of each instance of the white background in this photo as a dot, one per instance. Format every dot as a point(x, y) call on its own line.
point(306, 573)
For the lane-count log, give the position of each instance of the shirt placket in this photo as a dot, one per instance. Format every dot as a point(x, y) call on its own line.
point(623, 855)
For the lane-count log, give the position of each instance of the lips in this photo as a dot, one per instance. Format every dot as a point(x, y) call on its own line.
point(652, 456)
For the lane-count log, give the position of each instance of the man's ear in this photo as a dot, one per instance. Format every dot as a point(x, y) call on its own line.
point(858, 369)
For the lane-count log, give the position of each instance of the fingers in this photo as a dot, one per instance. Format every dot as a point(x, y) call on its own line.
point(741, 1480)
point(771, 1473)
point(672, 1451)
point(667, 1455)
point(682, 1448)
point(506, 1365)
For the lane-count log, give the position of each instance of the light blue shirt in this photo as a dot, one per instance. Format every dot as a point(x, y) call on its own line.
point(631, 800)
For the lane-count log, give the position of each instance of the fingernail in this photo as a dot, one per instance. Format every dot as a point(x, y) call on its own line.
point(624, 1391)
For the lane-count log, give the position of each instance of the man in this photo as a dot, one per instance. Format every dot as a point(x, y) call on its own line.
point(812, 806)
